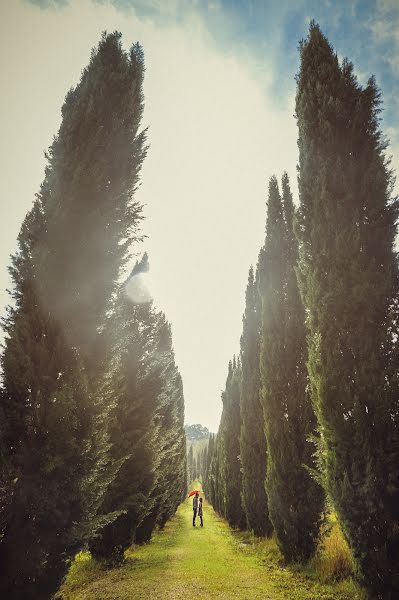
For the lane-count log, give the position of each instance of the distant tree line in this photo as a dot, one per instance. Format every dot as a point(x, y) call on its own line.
point(197, 462)
point(311, 405)
point(196, 432)
point(92, 445)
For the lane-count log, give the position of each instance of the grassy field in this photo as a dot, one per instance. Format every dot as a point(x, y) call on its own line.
point(209, 562)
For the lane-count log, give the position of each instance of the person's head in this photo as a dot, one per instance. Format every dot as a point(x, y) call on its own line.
point(200, 499)
point(196, 494)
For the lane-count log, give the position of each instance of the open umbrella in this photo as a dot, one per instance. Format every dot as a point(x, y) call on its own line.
point(194, 492)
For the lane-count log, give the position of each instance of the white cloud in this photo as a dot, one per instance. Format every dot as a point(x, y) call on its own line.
point(384, 28)
point(215, 140)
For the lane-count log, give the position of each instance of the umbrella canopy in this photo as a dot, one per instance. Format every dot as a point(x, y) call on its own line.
point(194, 492)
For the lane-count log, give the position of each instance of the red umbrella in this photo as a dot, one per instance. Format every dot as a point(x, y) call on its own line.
point(194, 492)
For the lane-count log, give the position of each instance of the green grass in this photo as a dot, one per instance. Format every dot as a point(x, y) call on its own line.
point(333, 561)
point(209, 562)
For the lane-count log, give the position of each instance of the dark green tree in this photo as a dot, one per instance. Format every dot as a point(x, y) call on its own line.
point(190, 464)
point(171, 471)
point(215, 492)
point(229, 452)
point(135, 383)
point(349, 284)
point(93, 173)
point(204, 458)
point(252, 434)
point(295, 499)
point(71, 250)
point(208, 487)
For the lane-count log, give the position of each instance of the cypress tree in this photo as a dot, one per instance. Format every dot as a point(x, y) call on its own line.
point(295, 499)
point(252, 434)
point(136, 385)
point(348, 279)
point(230, 465)
point(190, 464)
point(208, 484)
point(171, 471)
point(215, 477)
point(42, 434)
point(204, 458)
point(71, 249)
point(94, 168)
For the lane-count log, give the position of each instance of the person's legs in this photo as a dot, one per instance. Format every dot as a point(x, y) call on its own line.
point(194, 515)
point(202, 523)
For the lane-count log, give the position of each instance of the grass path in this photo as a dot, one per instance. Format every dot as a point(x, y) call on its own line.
point(209, 562)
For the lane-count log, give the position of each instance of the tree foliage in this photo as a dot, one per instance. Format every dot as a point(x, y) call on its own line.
point(66, 450)
point(226, 466)
point(349, 285)
point(253, 450)
point(295, 499)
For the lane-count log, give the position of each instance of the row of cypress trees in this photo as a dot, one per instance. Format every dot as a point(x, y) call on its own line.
point(196, 465)
point(263, 439)
point(317, 417)
point(92, 443)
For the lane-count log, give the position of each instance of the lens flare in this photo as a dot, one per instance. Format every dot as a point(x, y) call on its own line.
point(138, 288)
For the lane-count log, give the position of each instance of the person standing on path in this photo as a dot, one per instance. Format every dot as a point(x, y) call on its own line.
point(195, 507)
point(200, 511)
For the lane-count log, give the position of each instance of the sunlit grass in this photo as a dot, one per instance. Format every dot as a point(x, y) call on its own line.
point(334, 560)
point(213, 562)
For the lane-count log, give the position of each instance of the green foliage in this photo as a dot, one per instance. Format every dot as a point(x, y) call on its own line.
point(135, 384)
point(197, 437)
point(348, 279)
point(207, 475)
point(93, 173)
point(73, 245)
point(225, 469)
point(196, 432)
point(253, 450)
point(295, 499)
point(190, 464)
point(171, 460)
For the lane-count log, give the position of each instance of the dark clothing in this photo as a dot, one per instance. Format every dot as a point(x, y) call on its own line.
point(202, 522)
point(195, 508)
point(200, 513)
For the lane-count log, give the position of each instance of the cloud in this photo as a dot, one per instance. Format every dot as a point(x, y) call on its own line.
point(219, 100)
point(383, 25)
point(46, 4)
point(216, 136)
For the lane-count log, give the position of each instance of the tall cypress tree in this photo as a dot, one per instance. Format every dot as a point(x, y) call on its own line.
point(91, 213)
point(229, 457)
point(42, 435)
point(252, 433)
point(72, 246)
point(171, 464)
point(204, 459)
point(190, 464)
point(135, 385)
point(295, 500)
point(208, 484)
point(349, 280)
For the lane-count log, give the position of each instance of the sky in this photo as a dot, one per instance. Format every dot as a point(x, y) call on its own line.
point(219, 103)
